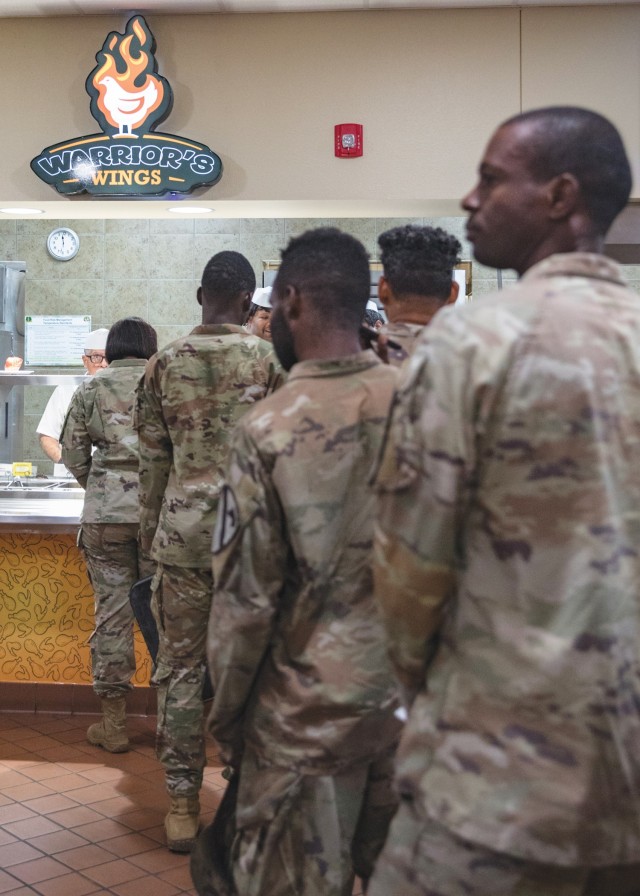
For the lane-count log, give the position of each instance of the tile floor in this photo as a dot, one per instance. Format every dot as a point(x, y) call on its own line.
point(77, 821)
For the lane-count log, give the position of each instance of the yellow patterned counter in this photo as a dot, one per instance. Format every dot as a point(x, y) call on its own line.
point(46, 611)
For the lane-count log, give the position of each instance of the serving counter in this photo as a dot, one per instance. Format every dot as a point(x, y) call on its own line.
point(46, 600)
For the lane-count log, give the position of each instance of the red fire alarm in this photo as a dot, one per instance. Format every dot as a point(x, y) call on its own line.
point(348, 140)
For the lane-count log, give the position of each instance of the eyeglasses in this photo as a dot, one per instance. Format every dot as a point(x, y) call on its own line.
point(95, 359)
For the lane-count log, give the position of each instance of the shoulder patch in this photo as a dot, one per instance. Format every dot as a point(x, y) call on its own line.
point(227, 520)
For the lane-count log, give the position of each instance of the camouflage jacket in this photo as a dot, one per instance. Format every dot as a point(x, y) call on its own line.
point(406, 335)
point(295, 641)
point(508, 565)
point(100, 415)
point(192, 393)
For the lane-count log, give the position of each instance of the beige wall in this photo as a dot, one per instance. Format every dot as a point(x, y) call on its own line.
point(264, 92)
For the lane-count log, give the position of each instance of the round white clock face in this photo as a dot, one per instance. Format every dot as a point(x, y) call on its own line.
point(63, 243)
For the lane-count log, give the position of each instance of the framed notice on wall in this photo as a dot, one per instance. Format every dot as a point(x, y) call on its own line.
point(56, 340)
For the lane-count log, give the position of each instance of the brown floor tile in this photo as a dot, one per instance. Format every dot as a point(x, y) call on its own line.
point(29, 791)
point(39, 869)
point(85, 856)
point(132, 784)
point(74, 736)
point(142, 819)
point(155, 833)
point(15, 853)
point(55, 802)
point(102, 773)
point(115, 806)
point(8, 883)
point(69, 756)
point(31, 827)
point(146, 887)
point(136, 763)
point(52, 725)
point(35, 742)
point(130, 844)
point(180, 877)
point(14, 812)
point(59, 841)
point(43, 771)
point(66, 885)
point(102, 830)
point(159, 860)
point(9, 778)
point(19, 759)
point(93, 793)
point(78, 817)
point(65, 783)
point(119, 871)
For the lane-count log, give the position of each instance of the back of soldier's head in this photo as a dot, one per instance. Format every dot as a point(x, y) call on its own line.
point(568, 139)
point(332, 269)
point(131, 337)
point(419, 261)
point(226, 277)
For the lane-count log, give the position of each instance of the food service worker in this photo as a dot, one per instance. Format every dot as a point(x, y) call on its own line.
point(50, 425)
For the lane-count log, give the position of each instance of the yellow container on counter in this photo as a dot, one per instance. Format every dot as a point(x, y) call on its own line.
point(22, 468)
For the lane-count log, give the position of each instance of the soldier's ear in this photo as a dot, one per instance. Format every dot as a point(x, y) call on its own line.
point(291, 303)
point(563, 195)
point(384, 291)
point(199, 296)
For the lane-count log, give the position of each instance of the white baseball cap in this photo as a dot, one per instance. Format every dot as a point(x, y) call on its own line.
point(371, 306)
point(97, 340)
point(262, 297)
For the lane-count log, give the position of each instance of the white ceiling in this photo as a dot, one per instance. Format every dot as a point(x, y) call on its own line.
point(20, 8)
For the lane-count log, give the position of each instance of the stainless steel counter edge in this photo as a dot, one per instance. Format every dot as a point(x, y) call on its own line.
point(40, 515)
point(9, 380)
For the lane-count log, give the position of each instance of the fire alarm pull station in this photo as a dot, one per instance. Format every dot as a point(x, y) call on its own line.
point(348, 140)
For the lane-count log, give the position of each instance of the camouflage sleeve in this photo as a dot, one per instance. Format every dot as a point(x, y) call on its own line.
point(156, 453)
point(75, 441)
point(276, 377)
point(249, 564)
point(421, 484)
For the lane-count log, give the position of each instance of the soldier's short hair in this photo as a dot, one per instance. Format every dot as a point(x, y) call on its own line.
point(226, 275)
point(332, 268)
point(130, 337)
point(419, 260)
point(572, 140)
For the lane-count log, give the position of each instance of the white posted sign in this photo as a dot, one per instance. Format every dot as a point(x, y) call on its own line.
point(56, 340)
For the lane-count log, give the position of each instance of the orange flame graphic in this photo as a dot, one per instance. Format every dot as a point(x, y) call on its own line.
point(127, 99)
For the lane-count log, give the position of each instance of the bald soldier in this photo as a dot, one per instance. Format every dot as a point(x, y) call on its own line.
point(304, 698)
point(508, 543)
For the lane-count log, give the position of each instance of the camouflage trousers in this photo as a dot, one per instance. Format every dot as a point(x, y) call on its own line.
point(181, 603)
point(114, 562)
point(309, 835)
point(421, 858)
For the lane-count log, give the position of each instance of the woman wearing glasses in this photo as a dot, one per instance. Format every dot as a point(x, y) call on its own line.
point(100, 448)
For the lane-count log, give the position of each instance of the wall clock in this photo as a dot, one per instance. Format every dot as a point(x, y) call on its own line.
point(63, 244)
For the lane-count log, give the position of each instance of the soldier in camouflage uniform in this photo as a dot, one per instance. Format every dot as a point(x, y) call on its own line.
point(100, 448)
point(304, 700)
point(507, 543)
point(417, 281)
point(193, 392)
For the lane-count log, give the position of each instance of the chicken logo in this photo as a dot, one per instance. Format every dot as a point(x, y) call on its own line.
point(129, 158)
point(126, 91)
